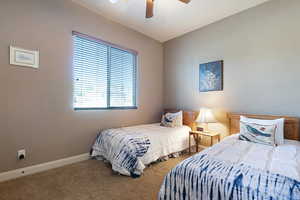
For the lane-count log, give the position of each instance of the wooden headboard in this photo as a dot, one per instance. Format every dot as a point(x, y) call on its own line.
point(291, 125)
point(189, 117)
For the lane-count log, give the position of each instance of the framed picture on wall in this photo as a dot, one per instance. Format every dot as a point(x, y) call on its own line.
point(23, 57)
point(211, 76)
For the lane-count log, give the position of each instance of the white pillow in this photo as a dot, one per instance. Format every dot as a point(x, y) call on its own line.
point(279, 134)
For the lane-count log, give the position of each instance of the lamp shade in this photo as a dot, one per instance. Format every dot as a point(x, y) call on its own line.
point(206, 116)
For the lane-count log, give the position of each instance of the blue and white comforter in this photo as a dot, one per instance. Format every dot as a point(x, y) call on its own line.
point(123, 150)
point(130, 149)
point(237, 170)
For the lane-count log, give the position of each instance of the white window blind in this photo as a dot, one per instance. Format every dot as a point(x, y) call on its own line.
point(104, 75)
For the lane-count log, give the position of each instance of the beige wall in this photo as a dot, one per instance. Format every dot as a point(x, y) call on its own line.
point(260, 48)
point(261, 53)
point(36, 105)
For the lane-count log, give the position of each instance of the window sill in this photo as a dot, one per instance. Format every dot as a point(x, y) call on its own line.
point(110, 108)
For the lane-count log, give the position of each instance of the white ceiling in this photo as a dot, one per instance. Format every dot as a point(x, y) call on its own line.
point(171, 17)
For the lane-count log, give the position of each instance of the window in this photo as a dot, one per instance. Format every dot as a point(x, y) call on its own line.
point(104, 75)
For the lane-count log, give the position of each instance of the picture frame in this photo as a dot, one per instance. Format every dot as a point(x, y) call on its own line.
point(24, 57)
point(211, 76)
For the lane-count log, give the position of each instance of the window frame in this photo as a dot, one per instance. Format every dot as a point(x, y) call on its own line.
point(135, 81)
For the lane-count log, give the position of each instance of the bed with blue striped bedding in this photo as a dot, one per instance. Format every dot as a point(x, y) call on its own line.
point(122, 150)
point(131, 149)
point(237, 170)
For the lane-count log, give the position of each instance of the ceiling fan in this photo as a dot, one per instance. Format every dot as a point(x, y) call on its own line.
point(150, 4)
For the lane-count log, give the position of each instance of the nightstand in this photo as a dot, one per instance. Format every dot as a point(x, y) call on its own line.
point(197, 134)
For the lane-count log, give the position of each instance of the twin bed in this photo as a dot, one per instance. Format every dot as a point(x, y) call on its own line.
point(231, 169)
point(131, 149)
point(236, 169)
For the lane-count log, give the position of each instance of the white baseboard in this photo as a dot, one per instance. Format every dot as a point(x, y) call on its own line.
point(42, 167)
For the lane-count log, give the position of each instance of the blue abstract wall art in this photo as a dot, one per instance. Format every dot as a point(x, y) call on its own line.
point(211, 76)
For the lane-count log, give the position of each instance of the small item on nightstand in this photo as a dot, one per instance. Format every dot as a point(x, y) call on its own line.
point(200, 129)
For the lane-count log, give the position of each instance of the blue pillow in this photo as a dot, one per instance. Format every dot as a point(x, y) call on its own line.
point(172, 119)
point(257, 133)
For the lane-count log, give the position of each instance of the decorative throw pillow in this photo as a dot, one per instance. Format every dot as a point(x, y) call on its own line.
point(257, 133)
point(172, 119)
point(279, 134)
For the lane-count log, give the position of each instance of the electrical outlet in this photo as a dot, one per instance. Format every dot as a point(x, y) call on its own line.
point(21, 154)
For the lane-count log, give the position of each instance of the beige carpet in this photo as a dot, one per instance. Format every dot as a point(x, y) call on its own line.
point(88, 180)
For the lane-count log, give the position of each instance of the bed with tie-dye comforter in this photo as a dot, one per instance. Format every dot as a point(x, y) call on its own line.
point(237, 170)
point(130, 149)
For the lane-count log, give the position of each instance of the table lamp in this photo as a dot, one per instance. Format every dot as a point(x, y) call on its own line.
point(205, 116)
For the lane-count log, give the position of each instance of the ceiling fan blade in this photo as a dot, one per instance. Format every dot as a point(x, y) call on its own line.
point(185, 1)
point(149, 8)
